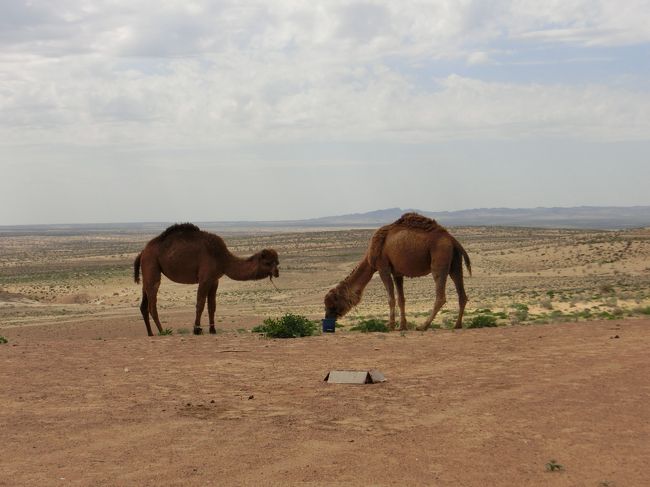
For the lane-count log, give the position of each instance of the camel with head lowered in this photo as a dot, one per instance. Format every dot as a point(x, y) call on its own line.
point(188, 255)
point(412, 246)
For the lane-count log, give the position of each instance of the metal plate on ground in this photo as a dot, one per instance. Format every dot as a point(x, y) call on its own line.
point(354, 377)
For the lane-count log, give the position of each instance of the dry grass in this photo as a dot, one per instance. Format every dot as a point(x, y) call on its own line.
point(557, 274)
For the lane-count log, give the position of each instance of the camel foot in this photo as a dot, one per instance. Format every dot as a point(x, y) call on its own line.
point(458, 326)
point(213, 330)
point(422, 328)
point(198, 330)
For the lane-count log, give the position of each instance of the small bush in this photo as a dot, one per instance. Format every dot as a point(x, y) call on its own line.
point(606, 289)
point(448, 322)
point(482, 321)
point(371, 326)
point(3, 339)
point(289, 326)
point(546, 304)
point(553, 466)
point(643, 310)
point(519, 314)
point(166, 332)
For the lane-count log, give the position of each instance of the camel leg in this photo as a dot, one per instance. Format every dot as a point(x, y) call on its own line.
point(212, 306)
point(401, 302)
point(456, 275)
point(201, 295)
point(440, 278)
point(152, 296)
point(388, 284)
point(150, 285)
point(144, 309)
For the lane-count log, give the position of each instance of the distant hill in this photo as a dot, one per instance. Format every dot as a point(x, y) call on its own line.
point(593, 217)
point(582, 217)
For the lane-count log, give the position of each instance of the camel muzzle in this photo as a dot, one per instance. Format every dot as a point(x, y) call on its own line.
point(330, 314)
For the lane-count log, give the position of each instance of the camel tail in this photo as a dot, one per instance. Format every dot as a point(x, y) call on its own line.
point(460, 251)
point(136, 269)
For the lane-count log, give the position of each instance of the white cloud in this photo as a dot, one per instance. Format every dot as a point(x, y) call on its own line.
point(209, 73)
point(478, 57)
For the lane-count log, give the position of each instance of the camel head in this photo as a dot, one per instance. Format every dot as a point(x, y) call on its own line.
point(267, 264)
point(340, 300)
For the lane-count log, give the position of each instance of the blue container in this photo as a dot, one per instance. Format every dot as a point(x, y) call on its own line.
point(329, 325)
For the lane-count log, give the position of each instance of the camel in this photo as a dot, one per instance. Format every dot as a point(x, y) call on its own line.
point(188, 255)
point(412, 246)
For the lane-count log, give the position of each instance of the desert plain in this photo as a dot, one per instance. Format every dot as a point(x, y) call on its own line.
point(558, 394)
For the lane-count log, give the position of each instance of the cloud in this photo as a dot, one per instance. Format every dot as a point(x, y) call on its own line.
point(478, 57)
point(214, 73)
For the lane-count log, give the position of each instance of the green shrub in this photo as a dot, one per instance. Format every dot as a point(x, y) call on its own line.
point(553, 466)
point(546, 304)
point(371, 326)
point(165, 332)
point(3, 339)
point(289, 326)
point(482, 321)
point(519, 314)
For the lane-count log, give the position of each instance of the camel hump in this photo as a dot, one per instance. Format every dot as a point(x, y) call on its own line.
point(415, 220)
point(407, 220)
point(179, 228)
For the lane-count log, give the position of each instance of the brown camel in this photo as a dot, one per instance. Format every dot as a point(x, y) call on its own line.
point(412, 246)
point(188, 255)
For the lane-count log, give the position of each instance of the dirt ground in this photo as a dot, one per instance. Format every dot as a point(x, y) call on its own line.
point(484, 407)
point(86, 399)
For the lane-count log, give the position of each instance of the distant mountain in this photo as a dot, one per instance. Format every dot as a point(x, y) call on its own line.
point(582, 217)
point(595, 217)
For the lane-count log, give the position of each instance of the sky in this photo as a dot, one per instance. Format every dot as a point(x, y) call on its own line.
point(194, 110)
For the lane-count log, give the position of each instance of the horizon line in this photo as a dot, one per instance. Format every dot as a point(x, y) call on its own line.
point(293, 221)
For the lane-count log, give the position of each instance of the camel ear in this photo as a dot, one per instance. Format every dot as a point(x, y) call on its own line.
point(269, 254)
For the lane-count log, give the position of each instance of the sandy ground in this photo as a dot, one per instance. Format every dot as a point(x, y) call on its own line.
point(487, 407)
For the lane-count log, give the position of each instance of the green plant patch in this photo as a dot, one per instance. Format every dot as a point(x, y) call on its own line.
point(166, 332)
point(520, 307)
point(553, 466)
point(371, 326)
point(482, 321)
point(288, 326)
point(3, 339)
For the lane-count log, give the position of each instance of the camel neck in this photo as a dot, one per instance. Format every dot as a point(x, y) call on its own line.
point(360, 276)
point(240, 269)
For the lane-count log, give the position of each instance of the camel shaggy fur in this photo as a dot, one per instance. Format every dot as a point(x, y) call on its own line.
point(188, 255)
point(412, 246)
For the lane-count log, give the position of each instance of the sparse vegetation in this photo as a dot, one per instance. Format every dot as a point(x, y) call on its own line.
point(371, 326)
point(553, 466)
point(3, 340)
point(482, 321)
point(519, 313)
point(45, 277)
point(166, 332)
point(288, 326)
